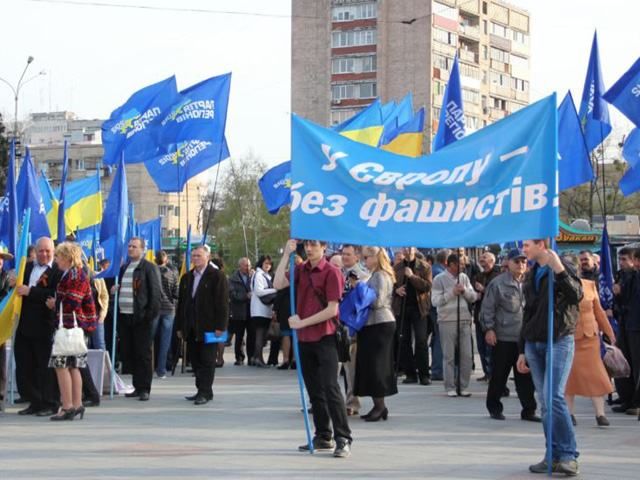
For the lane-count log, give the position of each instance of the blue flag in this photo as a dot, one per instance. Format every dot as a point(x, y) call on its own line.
point(61, 198)
point(631, 148)
point(630, 181)
point(400, 115)
point(594, 113)
point(387, 109)
point(625, 94)
point(606, 278)
point(29, 196)
point(191, 136)
point(129, 128)
point(275, 186)
point(493, 186)
point(574, 164)
point(151, 233)
point(451, 125)
point(114, 222)
point(9, 209)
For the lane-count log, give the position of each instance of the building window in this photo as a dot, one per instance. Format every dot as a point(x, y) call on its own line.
point(445, 11)
point(176, 211)
point(353, 90)
point(520, 37)
point(347, 13)
point(485, 52)
point(354, 64)
point(471, 123)
point(500, 30)
point(470, 96)
point(484, 8)
point(519, 63)
point(499, 55)
point(444, 36)
point(79, 164)
point(469, 71)
point(519, 84)
point(162, 210)
point(499, 103)
point(352, 38)
point(339, 116)
point(442, 62)
point(500, 79)
point(485, 27)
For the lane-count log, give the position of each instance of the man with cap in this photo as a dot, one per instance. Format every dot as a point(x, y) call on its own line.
point(501, 321)
point(7, 282)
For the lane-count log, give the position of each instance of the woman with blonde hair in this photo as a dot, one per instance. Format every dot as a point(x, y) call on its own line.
point(73, 297)
point(375, 376)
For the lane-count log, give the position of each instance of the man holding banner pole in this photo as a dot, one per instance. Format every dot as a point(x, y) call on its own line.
point(548, 270)
point(319, 287)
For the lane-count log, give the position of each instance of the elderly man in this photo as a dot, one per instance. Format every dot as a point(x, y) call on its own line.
point(202, 312)
point(139, 304)
point(240, 296)
point(452, 294)
point(501, 319)
point(36, 382)
point(489, 271)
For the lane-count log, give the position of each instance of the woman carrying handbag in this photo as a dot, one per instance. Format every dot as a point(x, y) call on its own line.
point(77, 316)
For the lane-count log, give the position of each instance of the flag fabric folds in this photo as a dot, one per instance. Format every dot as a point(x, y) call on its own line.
point(9, 209)
point(62, 233)
point(630, 181)
point(451, 126)
point(191, 137)
point(574, 164)
point(151, 232)
point(11, 305)
point(406, 139)
point(50, 202)
point(129, 128)
point(365, 127)
point(606, 278)
point(625, 93)
point(83, 200)
point(594, 113)
point(114, 225)
point(401, 114)
point(30, 197)
point(275, 186)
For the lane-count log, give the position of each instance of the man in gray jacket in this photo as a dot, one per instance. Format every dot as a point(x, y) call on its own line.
point(501, 321)
point(452, 294)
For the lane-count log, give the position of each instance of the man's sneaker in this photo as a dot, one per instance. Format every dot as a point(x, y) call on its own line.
point(465, 393)
point(452, 393)
point(343, 448)
point(319, 445)
point(541, 467)
point(568, 467)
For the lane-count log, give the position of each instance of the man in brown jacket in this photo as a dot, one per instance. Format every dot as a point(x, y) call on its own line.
point(411, 303)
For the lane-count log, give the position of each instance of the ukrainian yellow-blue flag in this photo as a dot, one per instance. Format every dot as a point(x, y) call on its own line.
point(83, 204)
point(406, 139)
point(365, 127)
point(11, 305)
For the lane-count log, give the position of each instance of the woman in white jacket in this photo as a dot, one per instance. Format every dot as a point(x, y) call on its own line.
point(262, 298)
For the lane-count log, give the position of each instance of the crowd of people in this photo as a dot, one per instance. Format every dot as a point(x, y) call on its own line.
point(430, 314)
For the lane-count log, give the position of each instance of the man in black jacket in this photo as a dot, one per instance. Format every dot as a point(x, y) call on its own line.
point(240, 296)
point(138, 305)
point(36, 382)
point(567, 294)
point(203, 309)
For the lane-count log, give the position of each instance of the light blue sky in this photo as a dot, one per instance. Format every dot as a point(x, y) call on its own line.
point(96, 56)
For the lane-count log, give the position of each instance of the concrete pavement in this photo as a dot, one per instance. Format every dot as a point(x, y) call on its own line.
point(254, 425)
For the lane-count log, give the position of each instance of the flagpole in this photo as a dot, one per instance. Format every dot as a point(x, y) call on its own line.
point(296, 350)
point(113, 337)
point(549, 372)
point(211, 213)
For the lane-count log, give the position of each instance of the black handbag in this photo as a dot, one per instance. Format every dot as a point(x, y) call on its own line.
point(269, 298)
point(343, 340)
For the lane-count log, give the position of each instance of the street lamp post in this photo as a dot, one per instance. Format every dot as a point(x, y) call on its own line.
point(16, 92)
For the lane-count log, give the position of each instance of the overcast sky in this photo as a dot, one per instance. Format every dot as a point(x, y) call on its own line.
point(96, 56)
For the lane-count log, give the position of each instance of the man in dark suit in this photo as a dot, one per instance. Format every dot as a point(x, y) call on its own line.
point(36, 382)
point(240, 293)
point(203, 307)
point(138, 304)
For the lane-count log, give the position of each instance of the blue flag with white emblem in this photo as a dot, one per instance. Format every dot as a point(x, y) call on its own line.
point(451, 124)
point(275, 186)
point(625, 94)
point(490, 187)
point(606, 278)
point(191, 137)
point(594, 113)
point(29, 196)
point(9, 210)
point(129, 128)
point(574, 164)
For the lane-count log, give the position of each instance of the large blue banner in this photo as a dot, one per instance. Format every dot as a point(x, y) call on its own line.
point(495, 185)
